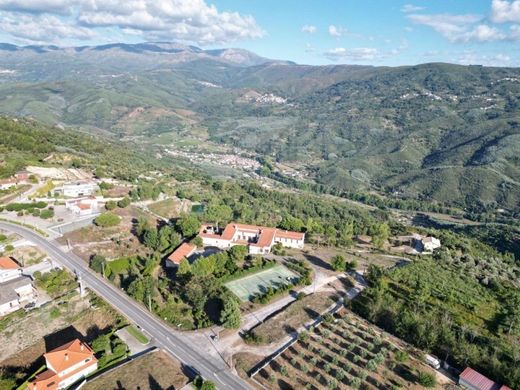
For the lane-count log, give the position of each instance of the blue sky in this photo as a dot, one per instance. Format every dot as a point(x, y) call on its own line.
point(384, 32)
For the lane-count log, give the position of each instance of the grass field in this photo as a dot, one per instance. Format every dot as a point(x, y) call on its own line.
point(137, 334)
point(152, 371)
point(246, 288)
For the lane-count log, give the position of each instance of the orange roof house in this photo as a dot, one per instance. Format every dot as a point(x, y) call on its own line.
point(8, 263)
point(65, 365)
point(259, 239)
point(183, 251)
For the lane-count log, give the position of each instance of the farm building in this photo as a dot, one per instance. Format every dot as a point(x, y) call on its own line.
point(77, 189)
point(258, 239)
point(473, 380)
point(185, 250)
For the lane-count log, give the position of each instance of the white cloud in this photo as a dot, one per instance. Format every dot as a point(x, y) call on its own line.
point(355, 55)
point(42, 29)
point(503, 11)
point(407, 8)
point(182, 20)
point(336, 31)
point(473, 58)
point(61, 7)
point(463, 28)
point(309, 29)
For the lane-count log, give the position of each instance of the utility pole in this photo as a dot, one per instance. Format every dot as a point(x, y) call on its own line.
point(149, 303)
point(103, 269)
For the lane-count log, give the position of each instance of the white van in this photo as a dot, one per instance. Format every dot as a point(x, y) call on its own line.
point(433, 361)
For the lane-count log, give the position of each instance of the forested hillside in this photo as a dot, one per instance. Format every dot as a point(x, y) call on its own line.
point(438, 132)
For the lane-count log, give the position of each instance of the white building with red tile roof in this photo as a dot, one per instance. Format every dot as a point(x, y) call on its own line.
point(65, 365)
point(184, 250)
point(473, 380)
point(83, 206)
point(258, 239)
point(9, 269)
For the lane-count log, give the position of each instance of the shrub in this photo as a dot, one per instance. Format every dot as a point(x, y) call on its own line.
point(355, 383)
point(107, 219)
point(401, 356)
point(110, 205)
point(426, 379)
point(338, 263)
point(46, 214)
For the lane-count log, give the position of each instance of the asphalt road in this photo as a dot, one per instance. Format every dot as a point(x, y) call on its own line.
point(163, 336)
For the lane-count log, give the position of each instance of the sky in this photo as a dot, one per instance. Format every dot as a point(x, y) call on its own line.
point(383, 32)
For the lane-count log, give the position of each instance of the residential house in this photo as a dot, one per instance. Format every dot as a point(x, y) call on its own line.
point(9, 269)
point(83, 206)
point(185, 250)
point(258, 239)
point(65, 365)
point(473, 380)
point(429, 244)
point(15, 294)
point(77, 189)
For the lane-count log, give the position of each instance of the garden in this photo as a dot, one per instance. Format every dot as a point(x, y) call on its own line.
point(345, 352)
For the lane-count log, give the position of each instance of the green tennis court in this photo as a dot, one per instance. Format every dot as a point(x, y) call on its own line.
point(249, 286)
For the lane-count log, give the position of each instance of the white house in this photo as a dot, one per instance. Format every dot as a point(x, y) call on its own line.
point(258, 239)
point(429, 244)
point(77, 189)
point(9, 269)
point(65, 365)
point(83, 206)
point(15, 294)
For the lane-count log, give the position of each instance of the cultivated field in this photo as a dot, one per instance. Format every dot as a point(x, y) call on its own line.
point(343, 353)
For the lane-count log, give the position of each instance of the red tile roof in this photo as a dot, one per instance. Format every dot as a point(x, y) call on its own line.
point(289, 234)
point(8, 263)
point(265, 238)
point(184, 250)
point(479, 381)
point(61, 359)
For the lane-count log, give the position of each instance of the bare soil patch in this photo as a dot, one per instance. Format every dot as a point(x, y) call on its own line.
point(155, 370)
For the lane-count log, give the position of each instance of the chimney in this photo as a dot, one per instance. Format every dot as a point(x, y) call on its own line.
point(81, 347)
point(66, 357)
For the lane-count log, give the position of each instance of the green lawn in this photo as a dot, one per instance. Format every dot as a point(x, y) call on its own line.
point(137, 334)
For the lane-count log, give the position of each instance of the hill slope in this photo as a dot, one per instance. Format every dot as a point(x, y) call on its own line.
point(434, 131)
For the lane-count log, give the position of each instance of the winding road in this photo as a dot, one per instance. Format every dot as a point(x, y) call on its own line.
point(163, 336)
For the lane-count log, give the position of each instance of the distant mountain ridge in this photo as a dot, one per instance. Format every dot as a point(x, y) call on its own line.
point(177, 52)
point(439, 132)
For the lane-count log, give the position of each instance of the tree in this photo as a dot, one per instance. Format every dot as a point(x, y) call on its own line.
point(380, 233)
point(47, 213)
point(151, 238)
point(168, 238)
point(184, 267)
point(97, 263)
point(238, 252)
point(217, 213)
point(110, 205)
point(101, 344)
point(346, 234)
point(123, 203)
point(188, 225)
point(141, 225)
point(107, 219)
point(230, 313)
point(338, 263)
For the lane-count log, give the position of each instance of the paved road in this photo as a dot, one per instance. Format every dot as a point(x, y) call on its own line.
point(163, 336)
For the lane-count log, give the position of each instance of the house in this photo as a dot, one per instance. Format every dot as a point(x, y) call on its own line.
point(185, 250)
point(472, 380)
point(83, 206)
point(258, 239)
point(77, 189)
point(5, 184)
point(9, 269)
point(65, 365)
point(15, 294)
point(429, 244)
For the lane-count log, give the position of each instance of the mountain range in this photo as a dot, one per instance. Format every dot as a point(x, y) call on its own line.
point(439, 132)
